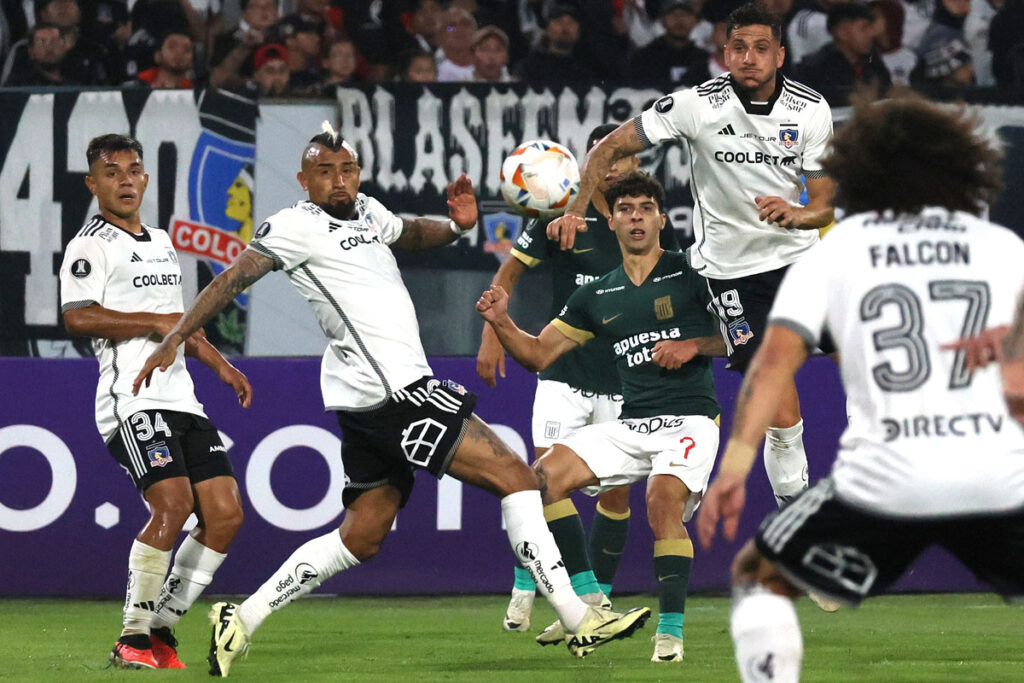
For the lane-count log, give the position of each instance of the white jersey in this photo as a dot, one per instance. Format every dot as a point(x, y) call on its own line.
point(109, 266)
point(926, 438)
point(807, 33)
point(740, 150)
point(349, 276)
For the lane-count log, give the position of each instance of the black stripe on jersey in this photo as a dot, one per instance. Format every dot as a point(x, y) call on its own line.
point(117, 373)
point(698, 206)
point(801, 91)
point(90, 227)
point(259, 248)
point(355, 335)
point(815, 174)
point(74, 305)
point(639, 126)
point(714, 85)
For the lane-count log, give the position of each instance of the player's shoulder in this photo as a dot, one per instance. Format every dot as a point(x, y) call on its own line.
point(367, 205)
point(803, 93)
point(718, 85)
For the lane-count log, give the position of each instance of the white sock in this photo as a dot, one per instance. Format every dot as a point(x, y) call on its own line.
point(766, 635)
point(785, 461)
point(536, 549)
point(310, 565)
point(147, 567)
point(193, 570)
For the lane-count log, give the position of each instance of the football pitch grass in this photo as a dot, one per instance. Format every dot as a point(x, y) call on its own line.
point(899, 638)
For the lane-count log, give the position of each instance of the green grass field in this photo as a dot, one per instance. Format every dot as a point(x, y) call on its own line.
point(911, 638)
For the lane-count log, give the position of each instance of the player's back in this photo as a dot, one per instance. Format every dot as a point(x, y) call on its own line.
point(926, 437)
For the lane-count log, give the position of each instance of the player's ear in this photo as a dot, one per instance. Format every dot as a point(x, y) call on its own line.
point(301, 177)
point(664, 220)
point(90, 183)
point(781, 58)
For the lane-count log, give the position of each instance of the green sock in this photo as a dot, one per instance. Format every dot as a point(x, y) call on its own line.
point(524, 581)
point(607, 539)
point(673, 560)
point(566, 527)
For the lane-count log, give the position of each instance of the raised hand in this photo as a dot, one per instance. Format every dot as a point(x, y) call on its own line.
point(493, 303)
point(462, 202)
point(564, 228)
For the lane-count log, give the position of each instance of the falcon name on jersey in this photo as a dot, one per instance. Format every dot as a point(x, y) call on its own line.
point(596, 252)
point(670, 304)
point(740, 149)
point(926, 436)
point(348, 274)
point(121, 271)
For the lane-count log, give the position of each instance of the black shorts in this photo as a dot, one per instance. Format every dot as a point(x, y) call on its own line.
point(742, 305)
point(824, 545)
point(153, 445)
point(420, 427)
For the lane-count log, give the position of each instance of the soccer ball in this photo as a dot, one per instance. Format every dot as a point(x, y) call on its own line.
point(540, 178)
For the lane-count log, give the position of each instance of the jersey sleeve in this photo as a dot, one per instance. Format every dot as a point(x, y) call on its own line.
point(531, 246)
point(574, 320)
point(83, 274)
point(284, 237)
point(391, 226)
point(672, 117)
point(802, 302)
point(819, 134)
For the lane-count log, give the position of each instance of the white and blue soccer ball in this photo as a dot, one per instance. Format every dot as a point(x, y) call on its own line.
point(540, 178)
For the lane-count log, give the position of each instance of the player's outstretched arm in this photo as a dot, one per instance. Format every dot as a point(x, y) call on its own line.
point(533, 353)
point(105, 323)
point(622, 142)
point(490, 358)
point(673, 354)
point(781, 354)
point(247, 269)
point(199, 347)
point(419, 234)
point(818, 213)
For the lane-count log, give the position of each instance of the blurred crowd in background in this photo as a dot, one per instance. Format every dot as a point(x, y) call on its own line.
point(288, 48)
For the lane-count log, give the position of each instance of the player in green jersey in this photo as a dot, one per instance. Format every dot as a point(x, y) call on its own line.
point(579, 388)
point(653, 311)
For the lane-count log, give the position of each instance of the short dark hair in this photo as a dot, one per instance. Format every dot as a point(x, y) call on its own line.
point(904, 154)
point(847, 11)
point(111, 142)
point(601, 131)
point(754, 14)
point(636, 184)
point(331, 142)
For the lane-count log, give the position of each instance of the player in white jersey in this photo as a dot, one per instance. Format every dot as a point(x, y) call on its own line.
point(336, 249)
point(932, 455)
point(751, 134)
point(121, 285)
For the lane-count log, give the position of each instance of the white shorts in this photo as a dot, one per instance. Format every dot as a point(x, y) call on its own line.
point(626, 451)
point(559, 410)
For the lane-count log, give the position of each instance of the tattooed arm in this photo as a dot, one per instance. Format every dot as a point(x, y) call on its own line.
point(622, 142)
point(249, 268)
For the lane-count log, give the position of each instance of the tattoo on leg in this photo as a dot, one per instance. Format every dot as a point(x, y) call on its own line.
point(480, 432)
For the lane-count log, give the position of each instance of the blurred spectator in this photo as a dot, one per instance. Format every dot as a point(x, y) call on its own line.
point(231, 54)
point(850, 60)
point(600, 47)
point(899, 59)
point(553, 61)
point(106, 22)
point(672, 59)
point(270, 72)
point(917, 16)
point(946, 66)
point(151, 19)
point(424, 24)
point(456, 60)
point(1006, 40)
point(339, 67)
point(807, 31)
point(45, 49)
point(939, 54)
point(86, 62)
point(302, 39)
point(716, 63)
point(490, 55)
point(173, 64)
point(976, 30)
point(418, 66)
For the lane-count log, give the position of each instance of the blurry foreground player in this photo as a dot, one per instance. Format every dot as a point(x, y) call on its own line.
point(394, 416)
point(121, 285)
point(652, 312)
point(932, 455)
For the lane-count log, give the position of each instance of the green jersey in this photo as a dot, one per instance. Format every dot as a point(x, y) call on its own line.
point(671, 304)
point(596, 252)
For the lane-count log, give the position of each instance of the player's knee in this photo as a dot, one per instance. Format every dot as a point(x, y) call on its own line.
point(549, 482)
point(171, 513)
point(226, 521)
point(364, 543)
